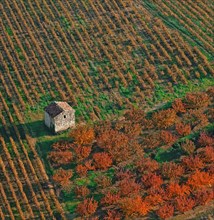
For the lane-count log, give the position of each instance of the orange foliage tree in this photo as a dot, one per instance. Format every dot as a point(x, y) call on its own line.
point(134, 206)
point(203, 196)
point(183, 129)
point(178, 106)
point(103, 181)
point(147, 165)
point(128, 187)
point(102, 160)
point(154, 199)
point(110, 198)
point(113, 215)
point(196, 100)
point(81, 191)
point(151, 180)
point(205, 140)
point(200, 179)
point(183, 203)
point(188, 147)
point(135, 115)
point(174, 189)
point(87, 207)
point(62, 177)
point(171, 170)
point(82, 152)
point(167, 137)
point(115, 143)
point(60, 157)
point(165, 211)
point(83, 135)
point(82, 169)
point(164, 118)
point(207, 154)
point(193, 163)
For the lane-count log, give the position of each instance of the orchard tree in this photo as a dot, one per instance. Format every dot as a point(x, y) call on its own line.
point(59, 158)
point(196, 100)
point(81, 191)
point(171, 170)
point(134, 206)
point(151, 180)
point(188, 147)
point(178, 106)
point(164, 118)
point(193, 163)
point(200, 179)
point(110, 198)
point(83, 135)
point(62, 177)
point(184, 203)
point(165, 211)
point(183, 129)
point(87, 207)
point(102, 160)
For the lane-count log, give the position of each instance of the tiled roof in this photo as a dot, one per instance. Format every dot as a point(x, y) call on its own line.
point(55, 108)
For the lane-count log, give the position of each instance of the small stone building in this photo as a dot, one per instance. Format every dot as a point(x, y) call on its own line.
point(59, 116)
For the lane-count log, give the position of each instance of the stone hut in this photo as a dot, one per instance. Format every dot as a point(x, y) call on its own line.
point(59, 116)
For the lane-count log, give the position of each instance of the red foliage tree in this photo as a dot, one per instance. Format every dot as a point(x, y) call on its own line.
point(158, 191)
point(171, 170)
point(178, 106)
point(62, 177)
point(164, 118)
point(188, 147)
point(134, 206)
point(147, 165)
point(165, 211)
point(128, 187)
point(113, 215)
point(207, 154)
point(193, 163)
point(174, 190)
point(81, 170)
point(183, 129)
point(110, 198)
point(102, 160)
point(83, 135)
point(203, 196)
point(151, 180)
point(154, 199)
point(132, 130)
point(81, 191)
point(183, 203)
point(200, 179)
point(167, 137)
point(196, 100)
point(205, 140)
point(82, 152)
point(135, 115)
point(58, 158)
point(115, 143)
point(102, 181)
point(87, 207)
